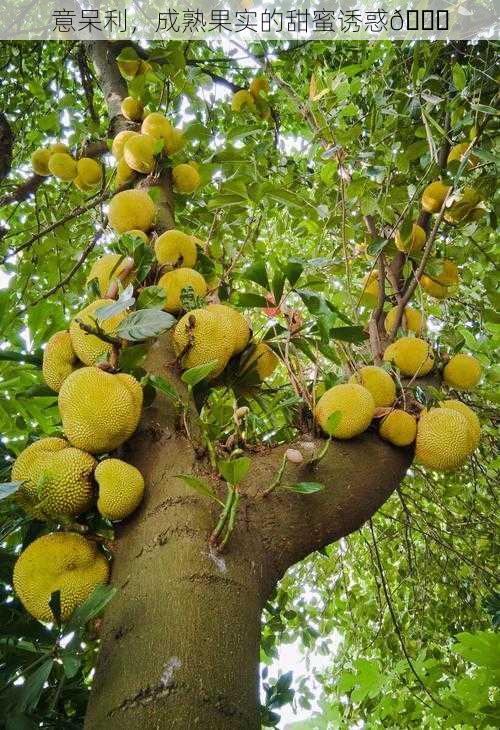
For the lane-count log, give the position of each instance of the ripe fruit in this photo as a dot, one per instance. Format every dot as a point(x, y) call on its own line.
point(470, 417)
point(448, 275)
point(124, 173)
point(131, 209)
point(378, 382)
point(132, 109)
point(57, 478)
point(458, 151)
point(60, 561)
point(241, 100)
point(412, 320)
point(399, 428)
point(99, 411)
point(370, 292)
point(62, 166)
point(462, 372)
point(39, 162)
point(262, 360)
point(90, 348)
point(433, 288)
point(59, 360)
point(355, 405)
point(138, 153)
point(199, 338)
point(411, 355)
point(89, 172)
point(174, 141)
point(443, 439)
point(156, 125)
point(434, 196)
point(83, 187)
point(128, 62)
point(120, 140)
point(235, 323)
point(107, 268)
point(186, 178)
point(121, 488)
point(59, 147)
point(138, 234)
point(260, 83)
point(175, 247)
point(173, 282)
point(412, 243)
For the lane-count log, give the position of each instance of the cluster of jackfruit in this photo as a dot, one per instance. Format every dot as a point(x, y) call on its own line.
point(85, 173)
point(253, 99)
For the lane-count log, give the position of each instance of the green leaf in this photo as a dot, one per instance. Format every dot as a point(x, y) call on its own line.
point(143, 324)
point(71, 663)
point(484, 109)
point(332, 422)
point(257, 273)
point(199, 486)
point(91, 607)
point(31, 690)
point(304, 487)
point(459, 77)
point(481, 648)
point(349, 334)
point(277, 286)
point(195, 375)
point(293, 271)
point(9, 488)
point(151, 297)
point(234, 470)
point(247, 299)
point(55, 606)
point(163, 386)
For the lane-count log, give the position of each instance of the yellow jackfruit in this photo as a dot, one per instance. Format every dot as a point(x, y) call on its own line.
point(99, 410)
point(131, 209)
point(132, 109)
point(80, 185)
point(448, 276)
point(124, 173)
point(39, 162)
point(462, 372)
point(90, 348)
point(199, 338)
point(433, 288)
point(462, 206)
point(156, 125)
point(174, 141)
point(241, 100)
point(399, 428)
point(260, 83)
point(107, 268)
point(235, 324)
point(129, 63)
point(355, 405)
point(434, 196)
point(60, 561)
point(378, 382)
point(121, 488)
point(59, 360)
point(139, 154)
point(470, 417)
point(370, 291)
point(411, 355)
point(443, 439)
point(186, 178)
point(59, 147)
point(414, 242)
point(173, 282)
point(262, 360)
point(89, 172)
point(57, 478)
point(63, 166)
point(458, 151)
point(412, 320)
point(175, 247)
point(138, 234)
point(119, 142)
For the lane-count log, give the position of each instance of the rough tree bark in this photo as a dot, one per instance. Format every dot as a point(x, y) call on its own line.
point(180, 640)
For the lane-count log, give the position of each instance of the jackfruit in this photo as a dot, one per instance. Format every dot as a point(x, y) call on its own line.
point(462, 372)
point(156, 125)
point(198, 338)
point(175, 247)
point(434, 196)
point(59, 360)
point(60, 561)
point(99, 410)
point(57, 479)
point(355, 405)
point(443, 439)
point(448, 276)
point(260, 83)
point(262, 360)
point(119, 142)
point(241, 100)
point(138, 153)
point(39, 162)
point(173, 282)
point(138, 234)
point(412, 320)
point(124, 173)
point(80, 185)
point(129, 63)
point(121, 488)
point(414, 242)
point(59, 147)
point(186, 178)
point(107, 268)
point(411, 355)
point(174, 141)
point(378, 382)
point(470, 417)
point(458, 151)
point(90, 348)
point(433, 288)
point(132, 109)
point(131, 209)
point(89, 172)
point(399, 428)
point(462, 206)
point(235, 323)
point(62, 166)
point(370, 291)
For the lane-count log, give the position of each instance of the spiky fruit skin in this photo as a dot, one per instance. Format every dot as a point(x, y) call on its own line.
point(156, 125)
point(89, 171)
point(261, 360)
point(458, 151)
point(434, 196)
point(131, 209)
point(59, 360)
point(138, 153)
point(90, 348)
point(60, 561)
point(412, 320)
point(242, 99)
point(121, 488)
point(355, 404)
point(411, 355)
point(443, 439)
point(119, 142)
point(174, 141)
point(433, 288)
point(413, 243)
point(378, 382)
point(448, 275)
point(173, 282)
point(62, 166)
point(39, 162)
point(186, 178)
point(235, 323)
point(399, 428)
point(99, 411)
point(139, 234)
point(462, 372)
point(57, 479)
point(175, 248)
point(260, 83)
point(132, 109)
point(199, 338)
point(471, 418)
point(107, 268)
